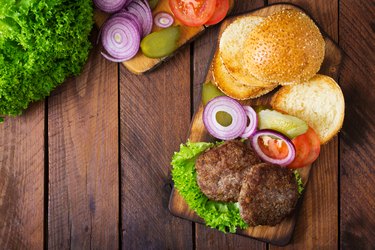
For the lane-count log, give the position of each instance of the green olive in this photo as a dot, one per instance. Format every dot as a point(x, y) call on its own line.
point(209, 91)
point(161, 43)
point(223, 118)
point(153, 3)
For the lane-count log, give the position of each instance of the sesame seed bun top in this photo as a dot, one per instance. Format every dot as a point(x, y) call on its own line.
point(287, 47)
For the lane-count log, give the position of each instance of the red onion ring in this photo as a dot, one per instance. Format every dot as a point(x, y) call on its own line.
point(120, 38)
point(131, 17)
point(110, 6)
point(272, 133)
point(110, 58)
point(230, 106)
point(163, 20)
point(253, 118)
point(143, 12)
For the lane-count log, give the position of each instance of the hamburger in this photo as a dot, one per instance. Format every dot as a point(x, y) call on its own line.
point(226, 183)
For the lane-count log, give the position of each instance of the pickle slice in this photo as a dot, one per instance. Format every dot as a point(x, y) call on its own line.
point(161, 43)
point(209, 92)
point(288, 125)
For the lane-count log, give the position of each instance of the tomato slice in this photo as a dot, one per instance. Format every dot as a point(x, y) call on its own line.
point(221, 10)
point(314, 141)
point(307, 149)
point(274, 148)
point(193, 12)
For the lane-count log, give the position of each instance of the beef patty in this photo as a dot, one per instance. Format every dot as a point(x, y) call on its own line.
point(220, 170)
point(268, 194)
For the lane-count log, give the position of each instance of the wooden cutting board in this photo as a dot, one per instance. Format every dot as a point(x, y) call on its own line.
point(281, 233)
point(140, 63)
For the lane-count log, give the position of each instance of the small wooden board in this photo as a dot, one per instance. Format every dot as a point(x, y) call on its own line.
point(282, 233)
point(140, 63)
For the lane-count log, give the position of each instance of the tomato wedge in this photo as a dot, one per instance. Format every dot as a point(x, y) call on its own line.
point(307, 149)
point(193, 12)
point(221, 10)
point(273, 148)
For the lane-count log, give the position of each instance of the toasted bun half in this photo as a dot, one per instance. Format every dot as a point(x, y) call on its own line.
point(231, 47)
point(319, 102)
point(287, 48)
point(230, 86)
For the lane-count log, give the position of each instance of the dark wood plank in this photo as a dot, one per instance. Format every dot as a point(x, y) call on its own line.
point(22, 180)
point(83, 159)
point(154, 120)
point(207, 238)
point(357, 139)
point(317, 222)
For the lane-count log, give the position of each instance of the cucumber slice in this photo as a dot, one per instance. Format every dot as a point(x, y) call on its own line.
point(288, 125)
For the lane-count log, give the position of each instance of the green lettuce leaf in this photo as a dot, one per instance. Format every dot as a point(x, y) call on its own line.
point(222, 216)
point(299, 182)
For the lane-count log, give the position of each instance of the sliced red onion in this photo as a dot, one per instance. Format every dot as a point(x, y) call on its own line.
point(120, 38)
point(274, 134)
point(230, 106)
point(110, 58)
point(131, 17)
point(253, 118)
point(128, 2)
point(143, 12)
point(110, 6)
point(163, 20)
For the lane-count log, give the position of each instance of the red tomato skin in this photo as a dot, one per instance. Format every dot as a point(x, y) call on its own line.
point(192, 16)
point(221, 10)
point(273, 150)
point(315, 146)
point(307, 149)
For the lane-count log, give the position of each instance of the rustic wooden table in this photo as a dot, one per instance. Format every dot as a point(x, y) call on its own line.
point(89, 166)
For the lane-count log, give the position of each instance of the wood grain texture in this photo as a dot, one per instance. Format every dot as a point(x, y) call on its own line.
point(204, 47)
point(207, 238)
point(83, 207)
point(154, 120)
point(357, 39)
point(317, 222)
point(22, 180)
point(281, 233)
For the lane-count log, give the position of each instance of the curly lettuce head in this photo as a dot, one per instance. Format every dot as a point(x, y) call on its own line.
point(41, 43)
